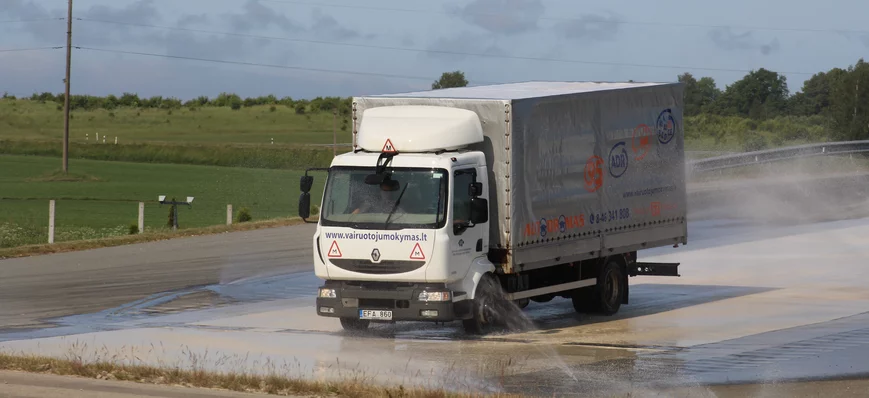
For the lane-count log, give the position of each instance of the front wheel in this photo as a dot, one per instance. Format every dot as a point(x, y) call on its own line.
point(485, 308)
point(353, 324)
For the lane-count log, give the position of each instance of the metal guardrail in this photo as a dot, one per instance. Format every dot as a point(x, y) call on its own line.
point(778, 154)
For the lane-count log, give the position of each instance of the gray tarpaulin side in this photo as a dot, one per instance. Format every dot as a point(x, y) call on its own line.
point(586, 171)
point(597, 170)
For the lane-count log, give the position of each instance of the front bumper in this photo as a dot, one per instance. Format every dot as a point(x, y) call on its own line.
point(402, 299)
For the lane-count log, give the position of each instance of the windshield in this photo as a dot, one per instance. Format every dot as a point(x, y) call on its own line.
point(410, 198)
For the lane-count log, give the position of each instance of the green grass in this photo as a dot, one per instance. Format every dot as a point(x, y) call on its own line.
point(103, 199)
point(24, 119)
point(229, 155)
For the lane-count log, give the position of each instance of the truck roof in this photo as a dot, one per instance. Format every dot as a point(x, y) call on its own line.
point(523, 90)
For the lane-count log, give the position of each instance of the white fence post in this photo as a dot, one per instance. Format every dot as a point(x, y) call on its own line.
point(51, 221)
point(141, 217)
point(228, 214)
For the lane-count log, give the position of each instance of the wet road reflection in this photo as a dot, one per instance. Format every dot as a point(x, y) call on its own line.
point(752, 305)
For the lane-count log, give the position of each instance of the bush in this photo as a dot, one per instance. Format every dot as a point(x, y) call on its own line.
point(243, 215)
point(134, 228)
point(754, 142)
point(315, 209)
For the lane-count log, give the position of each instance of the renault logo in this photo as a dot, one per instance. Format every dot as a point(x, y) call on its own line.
point(375, 255)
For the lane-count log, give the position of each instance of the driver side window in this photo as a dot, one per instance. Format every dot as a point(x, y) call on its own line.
point(461, 196)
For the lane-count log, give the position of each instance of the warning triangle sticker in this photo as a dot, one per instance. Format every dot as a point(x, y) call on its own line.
point(334, 251)
point(388, 147)
point(417, 254)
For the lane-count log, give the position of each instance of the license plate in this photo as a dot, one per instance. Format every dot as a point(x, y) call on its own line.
point(375, 314)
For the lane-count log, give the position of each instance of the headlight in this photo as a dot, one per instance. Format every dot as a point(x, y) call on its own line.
point(434, 296)
point(327, 293)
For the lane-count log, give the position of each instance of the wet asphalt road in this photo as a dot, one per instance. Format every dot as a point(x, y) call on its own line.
point(44, 287)
point(760, 301)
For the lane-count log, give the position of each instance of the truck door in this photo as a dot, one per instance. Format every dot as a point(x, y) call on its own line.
point(467, 240)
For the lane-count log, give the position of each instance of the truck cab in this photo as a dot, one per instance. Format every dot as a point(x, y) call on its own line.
point(403, 230)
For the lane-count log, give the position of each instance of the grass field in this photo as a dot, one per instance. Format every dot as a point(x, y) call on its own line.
point(31, 120)
point(20, 119)
point(229, 155)
point(102, 197)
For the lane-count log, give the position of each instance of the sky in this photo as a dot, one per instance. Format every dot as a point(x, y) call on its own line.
point(346, 47)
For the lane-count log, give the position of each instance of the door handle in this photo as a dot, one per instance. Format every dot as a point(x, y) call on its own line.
point(480, 244)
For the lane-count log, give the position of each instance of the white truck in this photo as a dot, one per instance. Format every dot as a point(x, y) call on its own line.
point(454, 203)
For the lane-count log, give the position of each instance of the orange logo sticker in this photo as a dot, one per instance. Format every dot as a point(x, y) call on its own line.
point(593, 173)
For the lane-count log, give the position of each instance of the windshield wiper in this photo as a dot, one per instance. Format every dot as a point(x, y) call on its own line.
point(394, 208)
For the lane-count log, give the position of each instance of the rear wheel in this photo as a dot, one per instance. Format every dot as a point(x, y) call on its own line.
point(354, 324)
point(607, 295)
point(486, 307)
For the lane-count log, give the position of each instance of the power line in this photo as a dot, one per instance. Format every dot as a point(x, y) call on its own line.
point(446, 52)
point(31, 20)
point(569, 19)
point(288, 67)
point(9, 50)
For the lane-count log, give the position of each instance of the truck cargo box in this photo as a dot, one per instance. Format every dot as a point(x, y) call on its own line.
point(577, 170)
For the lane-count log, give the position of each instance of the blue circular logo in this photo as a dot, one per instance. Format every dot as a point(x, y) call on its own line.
point(666, 126)
point(543, 227)
point(618, 160)
point(562, 224)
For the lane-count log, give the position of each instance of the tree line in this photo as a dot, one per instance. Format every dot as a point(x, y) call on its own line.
point(837, 99)
point(839, 96)
point(229, 100)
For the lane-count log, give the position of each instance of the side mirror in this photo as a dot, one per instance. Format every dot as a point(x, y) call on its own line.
point(306, 183)
point(475, 189)
point(305, 205)
point(479, 210)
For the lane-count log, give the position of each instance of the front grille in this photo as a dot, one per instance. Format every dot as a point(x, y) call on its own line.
point(384, 267)
point(386, 304)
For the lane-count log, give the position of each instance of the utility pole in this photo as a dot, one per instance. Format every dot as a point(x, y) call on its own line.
point(66, 95)
point(334, 133)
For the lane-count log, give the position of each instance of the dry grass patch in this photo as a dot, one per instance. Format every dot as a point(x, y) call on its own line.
point(197, 377)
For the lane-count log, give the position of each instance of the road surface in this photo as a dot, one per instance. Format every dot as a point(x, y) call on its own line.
point(758, 303)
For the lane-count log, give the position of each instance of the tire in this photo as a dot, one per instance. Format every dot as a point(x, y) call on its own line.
point(486, 306)
point(355, 325)
point(607, 295)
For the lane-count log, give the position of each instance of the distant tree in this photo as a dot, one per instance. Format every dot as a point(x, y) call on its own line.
point(201, 100)
point(818, 88)
point(698, 95)
point(759, 95)
point(849, 103)
point(450, 80)
point(111, 102)
point(707, 93)
point(129, 100)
